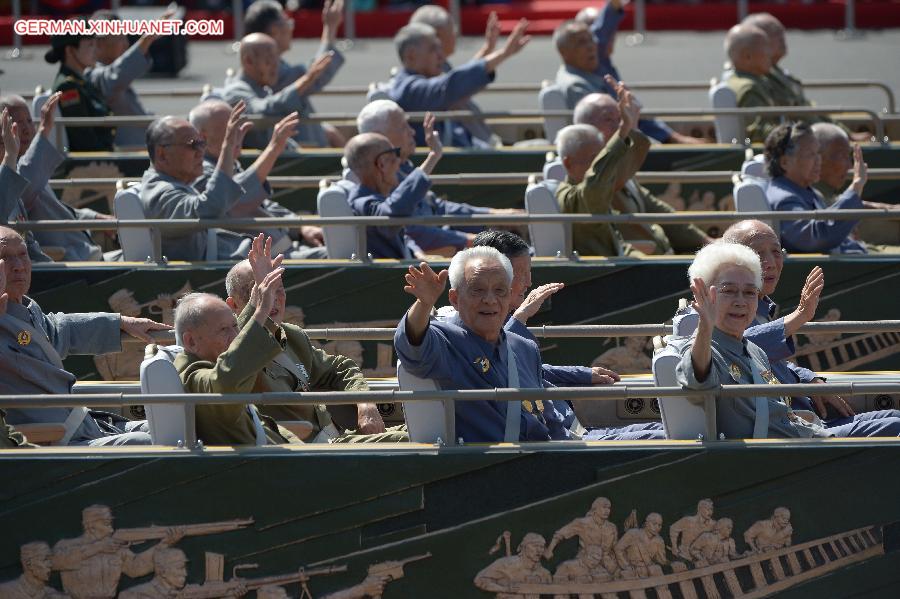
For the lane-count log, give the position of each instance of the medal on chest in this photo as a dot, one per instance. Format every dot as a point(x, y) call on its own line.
point(482, 363)
point(23, 337)
point(735, 371)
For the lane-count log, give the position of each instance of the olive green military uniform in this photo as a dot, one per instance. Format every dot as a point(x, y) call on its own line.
point(633, 198)
point(595, 195)
point(753, 91)
point(786, 89)
point(80, 98)
point(10, 437)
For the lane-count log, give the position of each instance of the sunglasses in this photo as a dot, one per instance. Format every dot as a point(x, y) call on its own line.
point(194, 144)
point(395, 151)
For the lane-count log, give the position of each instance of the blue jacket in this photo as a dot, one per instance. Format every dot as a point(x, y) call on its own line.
point(417, 93)
point(813, 235)
point(453, 357)
point(389, 242)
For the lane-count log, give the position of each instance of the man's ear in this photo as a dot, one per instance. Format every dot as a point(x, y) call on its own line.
point(232, 304)
point(187, 341)
point(454, 298)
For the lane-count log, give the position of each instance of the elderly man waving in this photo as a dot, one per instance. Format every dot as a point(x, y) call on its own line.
point(471, 350)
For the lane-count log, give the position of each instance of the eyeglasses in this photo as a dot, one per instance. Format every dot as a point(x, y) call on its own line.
point(194, 144)
point(727, 290)
point(395, 151)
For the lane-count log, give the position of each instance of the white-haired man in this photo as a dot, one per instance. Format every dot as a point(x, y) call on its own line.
point(602, 111)
point(210, 119)
point(422, 83)
point(33, 345)
point(471, 350)
point(253, 85)
point(592, 169)
point(387, 118)
point(749, 51)
point(376, 163)
point(38, 159)
point(269, 17)
point(176, 152)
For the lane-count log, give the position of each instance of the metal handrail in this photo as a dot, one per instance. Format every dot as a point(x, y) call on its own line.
point(116, 121)
point(603, 393)
point(437, 221)
point(464, 179)
point(500, 88)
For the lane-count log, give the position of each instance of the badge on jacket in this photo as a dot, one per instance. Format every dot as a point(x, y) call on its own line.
point(769, 377)
point(484, 363)
point(70, 97)
point(23, 337)
point(735, 372)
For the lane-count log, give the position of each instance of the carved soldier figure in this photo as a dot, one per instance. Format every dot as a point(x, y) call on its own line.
point(91, 565)
point(691, 527)
point(715, 547)
point(771, 534)
point(641, 551)
point(524, 567)
point(593, 529)
point(170, 575)
point(584, 569)
point(36, 568)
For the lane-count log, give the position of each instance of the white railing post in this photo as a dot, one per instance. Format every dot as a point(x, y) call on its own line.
point(237, 15)
point(349, 20)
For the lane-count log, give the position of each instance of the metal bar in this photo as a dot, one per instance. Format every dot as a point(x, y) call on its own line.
point(17, 39)
point(252, 224)
point(312, 182)
point(741, 10)
point(237, 16)
point(350, 22)
point(850, 16)
point(605, 393)
point(640, 17)
point(455, 14)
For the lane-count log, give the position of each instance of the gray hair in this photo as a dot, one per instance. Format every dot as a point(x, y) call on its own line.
point(570, 139)
point(200, 115)
point(189, 312)
point(590, 107)
point(159, 132)
point(741, 38)
point(828, 133)
point(11, 101)
point(412, 36)
point(239, 281)
point(719, 254)
point(374, 116)
point(361, 150)
point(765, 21)
point(433, 15)
point(461, 260)
point(562, 35)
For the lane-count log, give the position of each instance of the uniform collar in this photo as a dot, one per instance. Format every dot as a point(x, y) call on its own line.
point(70, 72)
point(766, 307)
point(482, 342)
point(727, 342)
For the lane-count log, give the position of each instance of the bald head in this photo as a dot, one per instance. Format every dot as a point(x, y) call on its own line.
point(368, 155)
point(239, 283)
point(176, 148)
point(600, 111)
point(259, 58)
point(773, 29)
point(576, 45)
point(745, 232)
point(210, 118)
point(20, 114)
point(748, 49)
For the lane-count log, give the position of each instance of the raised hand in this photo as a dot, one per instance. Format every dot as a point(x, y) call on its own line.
point(332, 15)
point(491, 33)
point(48, 114)
point(809, 296)
point(630, 111)
point(285, 129)
point(517, 39)
point(425, 284)
point(9, 137)
point(316, 69)
point(860, 171)
point(704, 303)
point(535, 300)
point(232, 131)
point(433, 141)
point(265, 295)
point(260, 258)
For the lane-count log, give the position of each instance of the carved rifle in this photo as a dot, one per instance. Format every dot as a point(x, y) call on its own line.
point(238, 586)
point(148, 533)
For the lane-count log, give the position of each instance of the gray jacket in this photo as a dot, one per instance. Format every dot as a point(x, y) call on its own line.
point(27, 369)
point(12, 186)
point(37, 165)
point(263, 101)
point(577, 84)
point(311, 134)
point(114, 82)
point(164, 197)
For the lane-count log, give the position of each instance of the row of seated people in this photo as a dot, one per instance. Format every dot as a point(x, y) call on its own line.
point(96, 74)
point(243, 345)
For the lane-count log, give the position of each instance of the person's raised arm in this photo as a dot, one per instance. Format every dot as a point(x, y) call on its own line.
point(704, 304)
point(809, 301)
point(263, 295)
point(10, 139)
point(860, 171)
point(234, 133)
point(491, 34)
point(433, 141)
point(304, 83)
point(514, 43)
point(332, 17)
point(285, 129)
point(427, 286)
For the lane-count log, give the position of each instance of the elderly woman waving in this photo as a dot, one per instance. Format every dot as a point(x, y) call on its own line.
point(726, 280)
